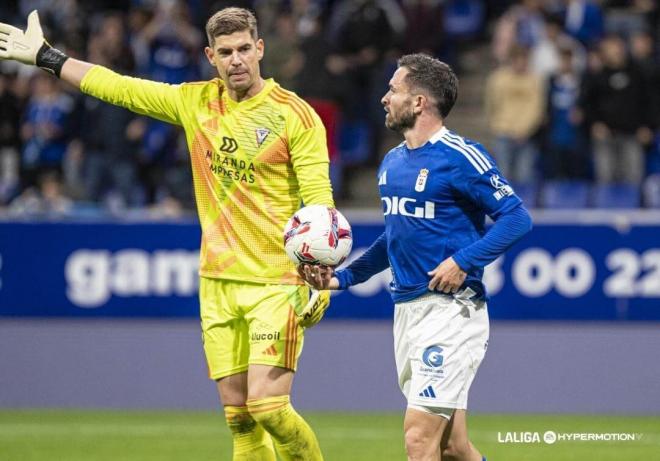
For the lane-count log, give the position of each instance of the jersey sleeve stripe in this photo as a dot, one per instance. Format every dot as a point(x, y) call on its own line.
point(481, 158)
point(296, 101)
point(483, 161)
point(307, 123)
point(284, 100)
point(465, 153)
point(305, 107)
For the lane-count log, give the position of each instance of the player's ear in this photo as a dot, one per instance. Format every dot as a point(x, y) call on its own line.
point(260, 48)
point(210, 55)
point(420, 103)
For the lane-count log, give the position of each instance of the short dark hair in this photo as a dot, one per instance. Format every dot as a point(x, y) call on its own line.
point(434, 77)
point(230, 20)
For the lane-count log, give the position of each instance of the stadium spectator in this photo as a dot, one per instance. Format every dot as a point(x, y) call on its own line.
point(322, 82)
point(522, 25)
point(46, 200)
point(515, 107)
point(284, 59)
point(545, 55)
point(173, 43)
point(424, 32)
point(366, 32)
point(173, 46)
point(323, 75)
point(137, 20)
point(626, 17)
point(615, 104)
point(107, 149)
point(463, 24)
point(110, 44)
point(583, 19)
point(308, 15)
point(565, 155)
point(10, 114)
point(643, 55)
point(46, 129)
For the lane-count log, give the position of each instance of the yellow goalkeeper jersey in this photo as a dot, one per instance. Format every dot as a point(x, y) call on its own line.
point(252, 161)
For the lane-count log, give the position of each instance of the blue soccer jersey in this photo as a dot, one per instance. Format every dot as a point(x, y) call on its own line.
point(435, 200)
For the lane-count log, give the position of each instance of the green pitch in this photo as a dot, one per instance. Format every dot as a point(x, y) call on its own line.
point(189, 436)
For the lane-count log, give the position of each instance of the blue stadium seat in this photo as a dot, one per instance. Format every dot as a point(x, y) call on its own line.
point(652, 191)
point(565, 194)
point(616, 196)
point(527, 193)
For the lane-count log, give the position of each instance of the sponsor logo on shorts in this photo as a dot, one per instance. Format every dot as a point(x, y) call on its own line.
point(432, 357)
point(432, 363)
point(266, 336)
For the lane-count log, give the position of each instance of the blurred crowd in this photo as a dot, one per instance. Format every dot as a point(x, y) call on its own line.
point(575, 98)
point(574, 94)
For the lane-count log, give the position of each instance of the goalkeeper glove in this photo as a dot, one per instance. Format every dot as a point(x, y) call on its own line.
point(312, 313)
point(30, 47)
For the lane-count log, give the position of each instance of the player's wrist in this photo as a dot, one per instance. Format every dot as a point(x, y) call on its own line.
point(460, 260)
point(50, 59)
point(333, 284)
point(340, 280)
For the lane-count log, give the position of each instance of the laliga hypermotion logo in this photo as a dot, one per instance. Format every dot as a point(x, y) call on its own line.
point(432, 356)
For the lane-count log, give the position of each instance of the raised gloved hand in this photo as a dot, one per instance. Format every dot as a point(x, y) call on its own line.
point(29, 46)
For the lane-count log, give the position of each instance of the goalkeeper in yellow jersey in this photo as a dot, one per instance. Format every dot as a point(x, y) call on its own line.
point(256, 151)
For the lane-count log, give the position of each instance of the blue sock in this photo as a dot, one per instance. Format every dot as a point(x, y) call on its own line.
point(483, 459)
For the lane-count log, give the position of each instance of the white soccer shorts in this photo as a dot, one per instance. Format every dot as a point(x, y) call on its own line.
point(439, 343)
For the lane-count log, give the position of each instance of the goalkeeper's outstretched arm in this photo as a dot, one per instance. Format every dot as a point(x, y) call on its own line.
point(74, 70)
point(30, 47)
point(158, 100)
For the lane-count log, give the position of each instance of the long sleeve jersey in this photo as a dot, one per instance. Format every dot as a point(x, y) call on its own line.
point(435, 200)
point(253, 163)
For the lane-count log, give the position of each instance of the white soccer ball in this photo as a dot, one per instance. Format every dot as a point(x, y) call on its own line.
point(317, 234)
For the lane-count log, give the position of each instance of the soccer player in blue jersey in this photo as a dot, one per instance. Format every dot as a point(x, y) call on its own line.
point(436, 189)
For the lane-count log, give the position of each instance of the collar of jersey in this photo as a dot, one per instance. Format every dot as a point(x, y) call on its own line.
point(433, 139)
point(438, 134)
point(269, 84)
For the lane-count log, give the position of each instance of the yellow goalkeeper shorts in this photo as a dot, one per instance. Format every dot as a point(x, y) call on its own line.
point(250, 323)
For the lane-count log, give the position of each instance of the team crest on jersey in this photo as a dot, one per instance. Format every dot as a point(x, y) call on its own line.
point(262, 134)
point(382, 181)
point(420, 184)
